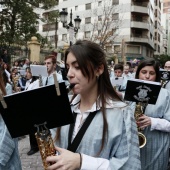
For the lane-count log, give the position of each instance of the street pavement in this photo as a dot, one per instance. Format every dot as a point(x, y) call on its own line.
point(32, 162)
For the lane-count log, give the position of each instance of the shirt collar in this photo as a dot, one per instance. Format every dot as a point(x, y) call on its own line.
point(52, 74)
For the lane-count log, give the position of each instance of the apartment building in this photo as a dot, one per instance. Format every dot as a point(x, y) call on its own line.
point(131, 24)
point(158, 29)
point(165, 22)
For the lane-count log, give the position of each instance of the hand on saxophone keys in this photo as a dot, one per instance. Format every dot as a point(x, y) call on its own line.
point(143, 121)
point(65, 158)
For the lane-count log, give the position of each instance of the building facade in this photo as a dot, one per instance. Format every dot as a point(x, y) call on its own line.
point(130, 30)
point(165, 21)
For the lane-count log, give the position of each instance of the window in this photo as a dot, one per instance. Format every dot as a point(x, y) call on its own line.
point(76, 8)
point(155, 35)
point(155, 46)
point(88, 20)
point(64, 37)
point(148, 52)
point(108, 49)
point(48, 27)
point(52, 38)
point(158, 49)
point(87, 34)
point(100, 18)
point(115, 2)
point(116, 48)
point(133, 49)
point(100, 3)
point(156, 25)
point(115, 16)
point(159, 37)
point(88, 6)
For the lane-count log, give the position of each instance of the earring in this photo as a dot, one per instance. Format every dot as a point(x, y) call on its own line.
point(97, 77)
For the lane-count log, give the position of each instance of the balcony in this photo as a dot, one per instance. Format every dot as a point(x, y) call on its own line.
point(140, 7)
point(142, 39)
point(139, 23)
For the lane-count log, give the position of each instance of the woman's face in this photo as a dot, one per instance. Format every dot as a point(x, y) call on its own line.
point(28, 75)
point(13, 75)
point(147, 73)
point(75, 76)
point(16, 63)
point(5, 66)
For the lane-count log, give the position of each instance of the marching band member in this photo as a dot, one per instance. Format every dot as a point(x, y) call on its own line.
point(32, 83)
point(167, 67)
point(50, 62)
point(155, 121)
point(110, 141)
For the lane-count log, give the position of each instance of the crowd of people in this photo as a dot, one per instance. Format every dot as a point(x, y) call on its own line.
point(110, 131)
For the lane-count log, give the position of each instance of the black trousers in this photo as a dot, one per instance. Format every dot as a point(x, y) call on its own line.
point(33, 141)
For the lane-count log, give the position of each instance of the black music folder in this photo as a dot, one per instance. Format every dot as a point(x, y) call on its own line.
point(142, 91)
point(28, 108)
point(164, 75)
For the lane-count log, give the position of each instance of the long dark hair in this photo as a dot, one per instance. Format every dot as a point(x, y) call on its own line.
point(149, 62)
point(2, 84)
point(90, 56)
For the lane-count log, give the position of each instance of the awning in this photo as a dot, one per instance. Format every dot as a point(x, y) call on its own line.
point(134, 58)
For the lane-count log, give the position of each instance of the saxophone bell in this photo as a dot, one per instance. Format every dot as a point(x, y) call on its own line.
point(142, 140)
point(141, 136)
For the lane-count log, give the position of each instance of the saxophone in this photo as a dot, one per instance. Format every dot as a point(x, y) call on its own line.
point(45, 143)
point(44, 137)
point(138, 113)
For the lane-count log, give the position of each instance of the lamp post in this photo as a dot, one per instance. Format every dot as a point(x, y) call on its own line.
point(70, 27)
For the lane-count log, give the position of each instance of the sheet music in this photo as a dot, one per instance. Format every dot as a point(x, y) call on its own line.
point(117, 81)
point(22, 72)
point(39, 70)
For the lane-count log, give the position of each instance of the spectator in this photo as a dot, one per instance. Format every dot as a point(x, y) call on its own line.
point(26, 63)
point(9, 155)
point(5, 56)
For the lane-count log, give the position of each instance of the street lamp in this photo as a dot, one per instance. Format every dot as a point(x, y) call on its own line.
point(70, 27)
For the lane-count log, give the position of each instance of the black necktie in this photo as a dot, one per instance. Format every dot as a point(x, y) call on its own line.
point(46, 81)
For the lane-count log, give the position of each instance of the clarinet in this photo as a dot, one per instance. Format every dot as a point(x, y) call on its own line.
point(44, 139)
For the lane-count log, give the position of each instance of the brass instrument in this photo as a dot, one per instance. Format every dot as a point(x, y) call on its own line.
point(45, 143)
point(15, 83)
point(163, 83)
point(138, 113)
point(44, 139)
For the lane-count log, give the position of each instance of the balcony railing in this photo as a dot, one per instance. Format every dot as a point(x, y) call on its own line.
point(139, 19)
point(138, 36)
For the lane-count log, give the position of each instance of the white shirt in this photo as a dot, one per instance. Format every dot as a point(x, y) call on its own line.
point(33, 85)
point(160, 124)
point(98, 163)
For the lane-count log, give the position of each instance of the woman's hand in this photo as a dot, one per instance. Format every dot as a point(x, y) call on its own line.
point(66, 160)
point(143, 121)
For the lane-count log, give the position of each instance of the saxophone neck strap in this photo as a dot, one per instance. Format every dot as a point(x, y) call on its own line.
point(72, 146)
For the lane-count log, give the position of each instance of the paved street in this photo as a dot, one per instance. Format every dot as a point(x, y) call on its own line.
point(32, 162)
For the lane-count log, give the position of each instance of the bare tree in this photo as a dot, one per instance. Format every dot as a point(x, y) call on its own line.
point(51, 22)
point(106, 21)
